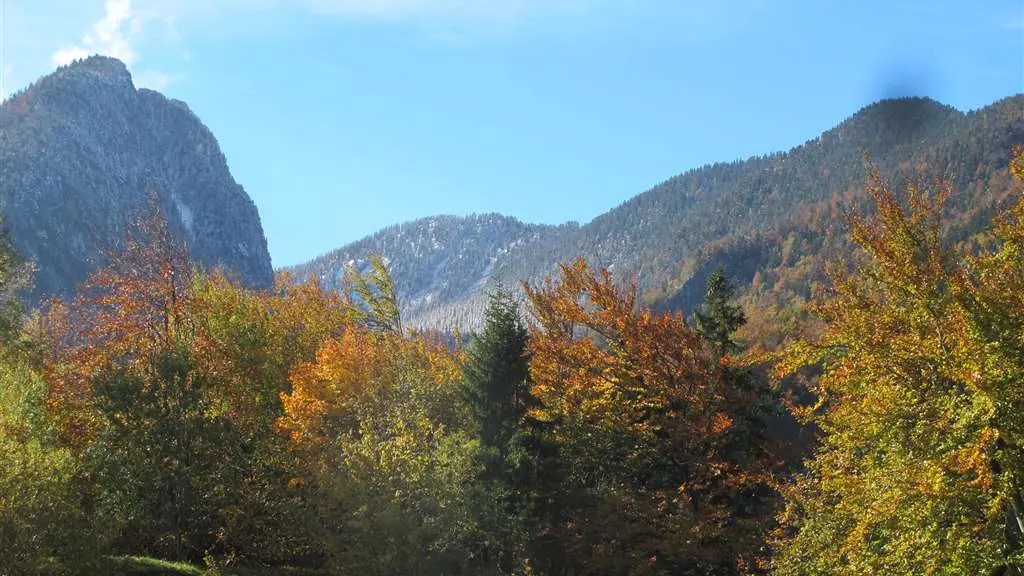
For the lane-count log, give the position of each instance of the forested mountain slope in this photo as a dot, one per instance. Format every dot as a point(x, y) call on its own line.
point(771, 220)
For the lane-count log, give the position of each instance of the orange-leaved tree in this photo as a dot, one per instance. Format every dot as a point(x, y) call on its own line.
point(131, 308)
point(377, 420)
point(641, 419)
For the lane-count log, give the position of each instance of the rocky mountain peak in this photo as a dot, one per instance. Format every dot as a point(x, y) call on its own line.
point(81, 149)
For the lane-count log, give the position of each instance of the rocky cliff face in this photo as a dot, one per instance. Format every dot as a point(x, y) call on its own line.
point(81, 150)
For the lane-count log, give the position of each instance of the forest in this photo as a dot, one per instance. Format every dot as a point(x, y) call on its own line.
point(166, 420)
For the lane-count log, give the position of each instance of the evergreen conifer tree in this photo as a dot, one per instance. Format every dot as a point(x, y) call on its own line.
point(496, 373)
point(720, 317)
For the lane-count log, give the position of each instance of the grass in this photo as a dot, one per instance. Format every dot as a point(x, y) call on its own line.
point(143, 566)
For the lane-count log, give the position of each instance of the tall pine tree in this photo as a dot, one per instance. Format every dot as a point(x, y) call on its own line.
point(519, 468)
point(720, 317)
point(496, 373)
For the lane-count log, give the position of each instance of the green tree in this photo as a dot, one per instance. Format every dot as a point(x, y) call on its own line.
point(496, 374)
point(43, 525)
point(720, 317)
point(496, 386)
point(15, 276)
point(161, 446)
point(376, 295)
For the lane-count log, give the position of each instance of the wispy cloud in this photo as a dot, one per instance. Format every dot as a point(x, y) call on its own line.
point(111, 35)
point(482, 15)
point(129, 29)
point(116, 35)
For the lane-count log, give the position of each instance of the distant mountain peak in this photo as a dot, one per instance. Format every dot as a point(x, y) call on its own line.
point(903, 116)
point(96, 69)
point(81, 148)
point(101, 64)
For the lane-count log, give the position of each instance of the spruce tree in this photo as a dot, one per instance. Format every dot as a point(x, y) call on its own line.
point(519, 468)
point(719, 317)
point(496, 373)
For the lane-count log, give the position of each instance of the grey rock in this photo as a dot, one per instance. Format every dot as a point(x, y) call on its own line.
point(80, 151)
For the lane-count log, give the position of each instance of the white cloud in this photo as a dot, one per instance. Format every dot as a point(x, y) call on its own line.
point(116, 35)
point(112, 35)
point(119, 32)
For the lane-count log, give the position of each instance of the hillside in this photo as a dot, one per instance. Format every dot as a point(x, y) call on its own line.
point(771, 221)
point(81, 149)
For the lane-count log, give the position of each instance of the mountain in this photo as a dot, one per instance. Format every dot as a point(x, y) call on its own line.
point(81, 150)
point(443, 266)
point(772, 221)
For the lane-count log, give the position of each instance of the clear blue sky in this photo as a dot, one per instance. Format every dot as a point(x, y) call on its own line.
point(343, 116)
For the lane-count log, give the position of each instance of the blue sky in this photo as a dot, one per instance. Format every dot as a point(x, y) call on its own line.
point(343, 116)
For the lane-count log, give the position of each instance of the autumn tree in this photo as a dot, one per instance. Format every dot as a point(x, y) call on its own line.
point(640, 414)
point(387, 448)
point(108, 359)
point(125, 312)
point(123, 389)
point(44, 526)
point(920, 398)
point(245, 344)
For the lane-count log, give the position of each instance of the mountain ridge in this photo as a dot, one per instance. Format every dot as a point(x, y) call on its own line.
point(666, 236)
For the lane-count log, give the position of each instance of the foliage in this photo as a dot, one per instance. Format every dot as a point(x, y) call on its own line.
point(919, 468)
point(170, 412)
point(720, 317)
point(41, 513)
point(376, 417)
point(376, 292)
point(640, 415)
point(496, 373)
point(160, 448)
point(14, 277)
point(496, 388)
point(126, 312)
point(148, 348)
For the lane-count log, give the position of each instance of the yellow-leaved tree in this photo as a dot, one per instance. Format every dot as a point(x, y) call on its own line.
point(921, 399)
point(386, 446)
